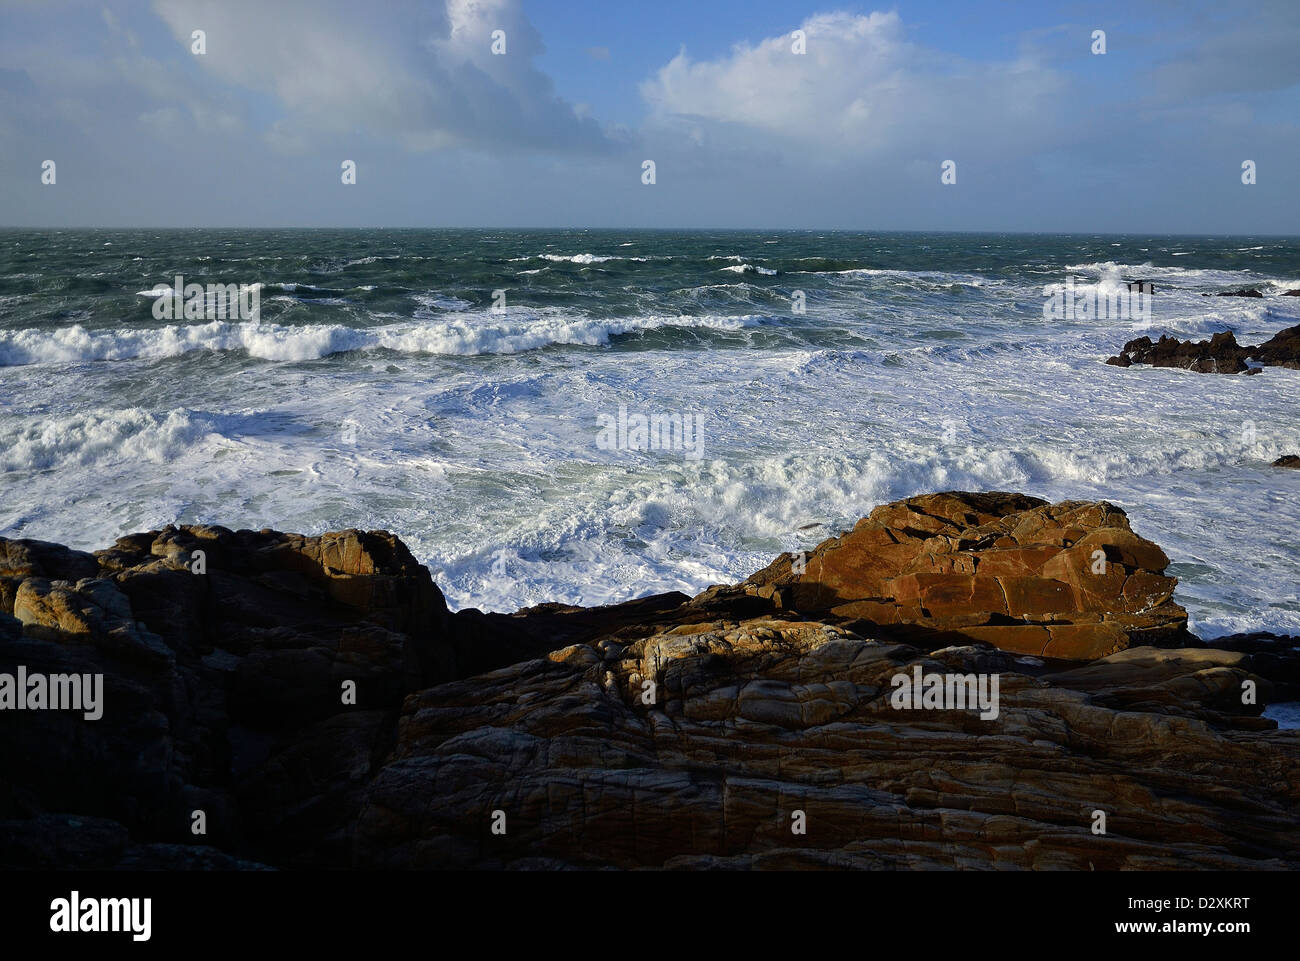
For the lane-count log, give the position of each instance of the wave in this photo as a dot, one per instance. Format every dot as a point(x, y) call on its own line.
point(751, 269)
point(430, 302)
point(163, 290)
point(943, 278)
point(577, 258)
point(1193, 275)
point(131, 435)
point(478, 334)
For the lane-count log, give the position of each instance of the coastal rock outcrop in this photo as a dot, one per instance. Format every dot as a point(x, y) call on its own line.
point(777, 744)
point(1068, 580)
point(317, 704)
point(1221, 354)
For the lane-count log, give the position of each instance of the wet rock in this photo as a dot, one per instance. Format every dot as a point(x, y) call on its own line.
point(1221, 354)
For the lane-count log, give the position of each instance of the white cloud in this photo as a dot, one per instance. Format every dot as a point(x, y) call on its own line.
point(861, 88)
point(423, 74)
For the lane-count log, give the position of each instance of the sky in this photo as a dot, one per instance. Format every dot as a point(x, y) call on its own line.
point(1044, 132)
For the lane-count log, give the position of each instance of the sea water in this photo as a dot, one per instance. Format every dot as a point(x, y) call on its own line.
point(451, 386)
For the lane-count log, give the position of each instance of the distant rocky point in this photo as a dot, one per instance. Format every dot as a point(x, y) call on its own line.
point(318, 703)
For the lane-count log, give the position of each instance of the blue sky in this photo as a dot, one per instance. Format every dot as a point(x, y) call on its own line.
point(1045, 134)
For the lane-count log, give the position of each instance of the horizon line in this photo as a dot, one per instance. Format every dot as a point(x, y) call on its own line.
point(840, 230)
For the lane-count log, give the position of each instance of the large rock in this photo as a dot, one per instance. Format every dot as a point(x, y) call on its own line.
point(662, 732)
point(1068, 580)
point(1221, 354)
point(225, 656)
point(755, 728)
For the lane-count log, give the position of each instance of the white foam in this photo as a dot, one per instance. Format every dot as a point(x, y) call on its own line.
point(97, 437)
point(578, 258)
point(930, 276)
point(1190, 275)
point(750, 269)
point(519, 330)
point(438, 302)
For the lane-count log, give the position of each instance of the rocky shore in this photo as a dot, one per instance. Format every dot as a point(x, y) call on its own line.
point(312, 702)
point(1221, 354)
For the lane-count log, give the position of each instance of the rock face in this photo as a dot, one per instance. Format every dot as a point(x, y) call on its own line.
point(1067, 580)
point(1221, 354)
point(314, 699)
point(764, 727)
point(224, 656)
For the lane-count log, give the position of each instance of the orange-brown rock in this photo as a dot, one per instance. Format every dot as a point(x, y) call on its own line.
point(756, 723)
point(662, 732)
point(1068, 580)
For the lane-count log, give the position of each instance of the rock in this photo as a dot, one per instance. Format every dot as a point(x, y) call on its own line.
point(759, 723)
point(93, 610)
point(223, 690)
point(1244, 292)
point(1281, 350)
point(665, 732)
point(1067, 580)
point(1288, 460)
point(1291, 293)
point(1221, 354)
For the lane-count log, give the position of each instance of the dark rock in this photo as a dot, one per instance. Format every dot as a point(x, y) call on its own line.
point(222, 694)
point(1221, 354)
point(759, 719)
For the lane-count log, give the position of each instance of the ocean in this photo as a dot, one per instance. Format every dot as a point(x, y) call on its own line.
point(478, 393)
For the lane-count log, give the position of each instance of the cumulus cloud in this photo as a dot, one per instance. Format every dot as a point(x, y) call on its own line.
point(423, 74)
point(860, 88)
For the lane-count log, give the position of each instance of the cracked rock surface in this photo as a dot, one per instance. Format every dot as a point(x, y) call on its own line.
point(752, 726)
